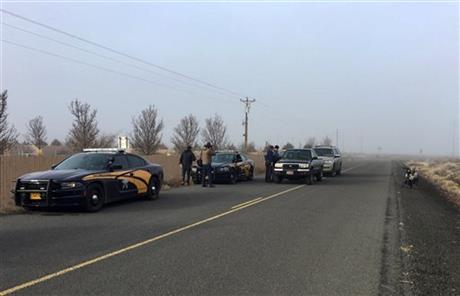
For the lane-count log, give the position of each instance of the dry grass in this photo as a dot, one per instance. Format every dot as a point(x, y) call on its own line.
point(445, 174)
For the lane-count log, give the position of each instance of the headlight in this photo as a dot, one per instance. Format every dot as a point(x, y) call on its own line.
point(194, 169)
point(224, 169)
point(71, 185)
point(304, 165)
point(278, 165)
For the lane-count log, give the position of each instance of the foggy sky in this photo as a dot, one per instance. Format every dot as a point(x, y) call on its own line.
point(383, 74)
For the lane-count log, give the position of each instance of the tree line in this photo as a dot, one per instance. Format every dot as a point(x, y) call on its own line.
point(145, 137)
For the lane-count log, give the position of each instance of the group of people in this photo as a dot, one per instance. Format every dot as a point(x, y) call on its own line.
point(204, 161)
point(271, 157)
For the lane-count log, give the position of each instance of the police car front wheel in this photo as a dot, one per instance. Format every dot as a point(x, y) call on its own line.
point(94, 199)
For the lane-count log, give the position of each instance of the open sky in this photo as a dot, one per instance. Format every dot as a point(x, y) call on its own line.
point(384, 74)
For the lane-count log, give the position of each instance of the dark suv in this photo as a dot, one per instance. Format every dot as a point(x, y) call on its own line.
point(298, 164)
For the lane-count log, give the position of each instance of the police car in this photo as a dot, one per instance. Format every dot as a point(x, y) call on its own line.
point(228, 166)
point(90, 179)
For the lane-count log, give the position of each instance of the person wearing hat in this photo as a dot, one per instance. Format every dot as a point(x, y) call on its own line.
point(206, 168)
point(186, 160)
point(276, 154)
point(269, 157)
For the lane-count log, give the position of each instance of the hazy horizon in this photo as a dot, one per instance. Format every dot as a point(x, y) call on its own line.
point(383, 74)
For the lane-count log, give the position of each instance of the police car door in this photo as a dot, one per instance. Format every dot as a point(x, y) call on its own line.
point(246, 167)
point(239, 165)
point(120, 185)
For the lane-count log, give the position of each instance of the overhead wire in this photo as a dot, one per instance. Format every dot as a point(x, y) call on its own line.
point(236, 94)
point(103, 56)
point(99, 67)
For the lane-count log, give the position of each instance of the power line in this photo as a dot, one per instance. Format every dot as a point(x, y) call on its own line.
point(101, 56)
point(119, 52)
point(96, 66)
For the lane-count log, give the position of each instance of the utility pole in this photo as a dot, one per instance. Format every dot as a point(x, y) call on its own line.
point(247, 106)
point(337, 138)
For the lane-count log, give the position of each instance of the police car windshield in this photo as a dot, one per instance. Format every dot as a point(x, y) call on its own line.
point(324, 151)
point(297, 154)
point(85, 161)
point(223, 158)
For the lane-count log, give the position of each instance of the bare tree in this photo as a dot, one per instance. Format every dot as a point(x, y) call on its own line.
point(310, 143)
point(8, 134)
point(36, 132)
point(215, 132)
point(288, 146)
point(57, 148)
point(327, 141)
point(146, 135)
point(162, 146)
point(231, 146)
point(84, 131)
point(56, 142)
point(105, 141)
point(185, 133)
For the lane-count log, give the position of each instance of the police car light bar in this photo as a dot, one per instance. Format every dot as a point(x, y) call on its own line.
point(102, 150)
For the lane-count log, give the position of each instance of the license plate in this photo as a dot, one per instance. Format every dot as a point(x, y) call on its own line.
point(290, 173)
point(35, 196)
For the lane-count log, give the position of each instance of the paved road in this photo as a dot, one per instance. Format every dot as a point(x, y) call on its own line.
point(333, 238)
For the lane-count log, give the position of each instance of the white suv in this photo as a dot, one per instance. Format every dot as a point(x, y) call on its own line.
point(332, 159)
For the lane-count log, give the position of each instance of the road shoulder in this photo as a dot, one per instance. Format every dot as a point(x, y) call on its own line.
point(429, 231)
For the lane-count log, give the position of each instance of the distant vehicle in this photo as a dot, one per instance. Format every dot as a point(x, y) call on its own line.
point(90, 179)
point(298, 164)
point(332, 159)
point(228, 166)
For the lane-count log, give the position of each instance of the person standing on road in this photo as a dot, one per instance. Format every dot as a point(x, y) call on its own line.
point(206, 168)
point(186, 160)
point(276, 155)
point(269, 164)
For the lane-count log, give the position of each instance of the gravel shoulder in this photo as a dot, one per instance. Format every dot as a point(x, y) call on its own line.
point(429, 235)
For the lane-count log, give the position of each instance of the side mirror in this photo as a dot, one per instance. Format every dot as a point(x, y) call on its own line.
point(53, 166)
point(315, 157)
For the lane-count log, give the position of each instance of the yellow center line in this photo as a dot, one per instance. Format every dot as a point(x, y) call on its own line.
point(140, 244)
point(247, 202)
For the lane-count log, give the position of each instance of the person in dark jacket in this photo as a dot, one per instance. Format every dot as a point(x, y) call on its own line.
point(269, 157)
point(186, 160)
point(276, 154)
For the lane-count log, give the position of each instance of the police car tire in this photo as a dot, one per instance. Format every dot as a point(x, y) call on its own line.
point(92, 205)
point(251, 175)
point(153, 194)
point(233, 177)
